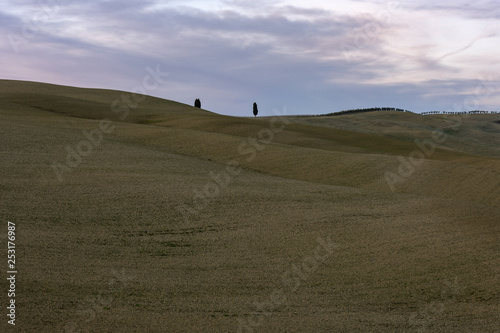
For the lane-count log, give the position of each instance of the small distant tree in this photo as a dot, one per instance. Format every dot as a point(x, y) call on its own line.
point(197, 103)
point(255, 110)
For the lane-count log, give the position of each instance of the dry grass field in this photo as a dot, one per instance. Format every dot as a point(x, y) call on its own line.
point(160, 217)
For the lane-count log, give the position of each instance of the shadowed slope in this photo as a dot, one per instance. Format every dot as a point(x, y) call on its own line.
point(87, 103)
point(351, 150)
point(475, 134)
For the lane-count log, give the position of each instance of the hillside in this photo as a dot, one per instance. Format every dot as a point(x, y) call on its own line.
point(162, 217)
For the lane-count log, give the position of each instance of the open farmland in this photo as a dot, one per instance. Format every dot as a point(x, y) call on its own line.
point(168, 218)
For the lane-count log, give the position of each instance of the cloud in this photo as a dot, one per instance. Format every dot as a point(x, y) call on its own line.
point(483, 9)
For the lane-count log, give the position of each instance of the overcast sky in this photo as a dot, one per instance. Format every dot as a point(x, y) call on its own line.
point(314, 56)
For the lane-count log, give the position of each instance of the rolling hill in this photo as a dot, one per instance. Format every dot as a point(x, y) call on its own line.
point(138, 214)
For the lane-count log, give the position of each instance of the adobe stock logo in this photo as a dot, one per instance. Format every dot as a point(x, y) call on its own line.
point(33, 26)
point(120, 106)
point(218, 182)
point(291, 280)
point(408, 166)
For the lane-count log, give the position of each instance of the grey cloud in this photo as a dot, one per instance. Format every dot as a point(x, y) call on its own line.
point(10, 22)
point(482, 9)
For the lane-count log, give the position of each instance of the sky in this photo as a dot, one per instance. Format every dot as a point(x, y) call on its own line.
point(310, 57)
